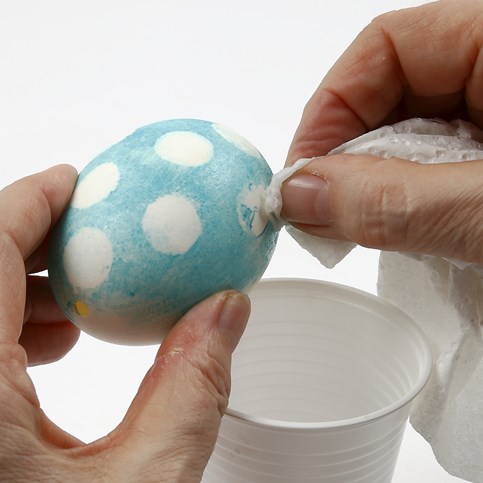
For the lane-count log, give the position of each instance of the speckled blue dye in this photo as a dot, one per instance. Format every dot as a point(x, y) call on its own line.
point(146, 290)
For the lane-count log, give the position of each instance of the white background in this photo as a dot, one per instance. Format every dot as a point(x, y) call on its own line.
point(78, 76)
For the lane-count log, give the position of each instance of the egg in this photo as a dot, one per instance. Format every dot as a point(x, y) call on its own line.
point(159, 221)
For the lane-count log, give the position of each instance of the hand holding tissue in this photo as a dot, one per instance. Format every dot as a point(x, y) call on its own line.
point(442, 293)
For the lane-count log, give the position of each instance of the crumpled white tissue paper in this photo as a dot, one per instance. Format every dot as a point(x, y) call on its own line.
point(444, 296)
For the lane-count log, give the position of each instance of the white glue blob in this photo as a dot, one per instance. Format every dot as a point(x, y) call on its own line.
point(251, 215)
point(184, 148)
point(96, 186)
point(88, 258)
point(239, 141)
point(172, 224)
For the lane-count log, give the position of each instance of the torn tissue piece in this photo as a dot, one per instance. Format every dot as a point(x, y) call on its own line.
point(444, 296)
point(328, 252)
point(272, 202)
point(446, 301)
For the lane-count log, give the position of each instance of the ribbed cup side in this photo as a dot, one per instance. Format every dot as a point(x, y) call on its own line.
point(341, 456)
point(316, 353)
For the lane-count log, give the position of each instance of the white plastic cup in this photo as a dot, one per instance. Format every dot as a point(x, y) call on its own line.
point(322, 383)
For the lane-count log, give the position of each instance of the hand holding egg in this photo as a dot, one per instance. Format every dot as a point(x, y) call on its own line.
point(161, 220)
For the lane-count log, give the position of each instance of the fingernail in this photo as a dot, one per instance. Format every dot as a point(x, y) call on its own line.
point(306, 200)
point(233, 317)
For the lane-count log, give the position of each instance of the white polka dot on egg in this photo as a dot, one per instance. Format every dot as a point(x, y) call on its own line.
point(96, 186)
point(172, 224)
point(184, 148)
point(250, 213)
point(239, 141)
point(87, 258)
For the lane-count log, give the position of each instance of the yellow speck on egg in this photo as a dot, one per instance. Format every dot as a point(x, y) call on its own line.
point(81, 308)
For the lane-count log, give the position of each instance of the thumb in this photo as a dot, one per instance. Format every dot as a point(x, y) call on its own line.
point(390, 204)
point(172, 424)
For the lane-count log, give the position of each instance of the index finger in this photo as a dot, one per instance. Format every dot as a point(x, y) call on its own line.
point(425, 60)
point(28, 209)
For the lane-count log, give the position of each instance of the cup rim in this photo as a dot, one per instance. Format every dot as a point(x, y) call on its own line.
point(426, 368)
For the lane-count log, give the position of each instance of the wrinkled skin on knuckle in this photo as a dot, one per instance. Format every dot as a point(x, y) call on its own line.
point(179, 455)
point(183, 463)
point(170, 465)
point(188, 446)
point(381, 212)
point(420, 209)
point(181, 470)
point(25, 458)
point(25, 451)
point(212, 380)
point(209, 399)
point(17, 393)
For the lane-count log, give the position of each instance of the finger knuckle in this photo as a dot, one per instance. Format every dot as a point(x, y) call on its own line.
point(213, 380)
point(383, 213)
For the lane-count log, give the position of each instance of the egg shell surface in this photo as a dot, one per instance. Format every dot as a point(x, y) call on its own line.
point(161, 220)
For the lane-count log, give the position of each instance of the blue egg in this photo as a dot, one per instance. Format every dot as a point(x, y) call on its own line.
point(161, 220)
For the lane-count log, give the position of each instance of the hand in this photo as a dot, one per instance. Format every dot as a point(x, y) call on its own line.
point(170, 429)
point(419, 62)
